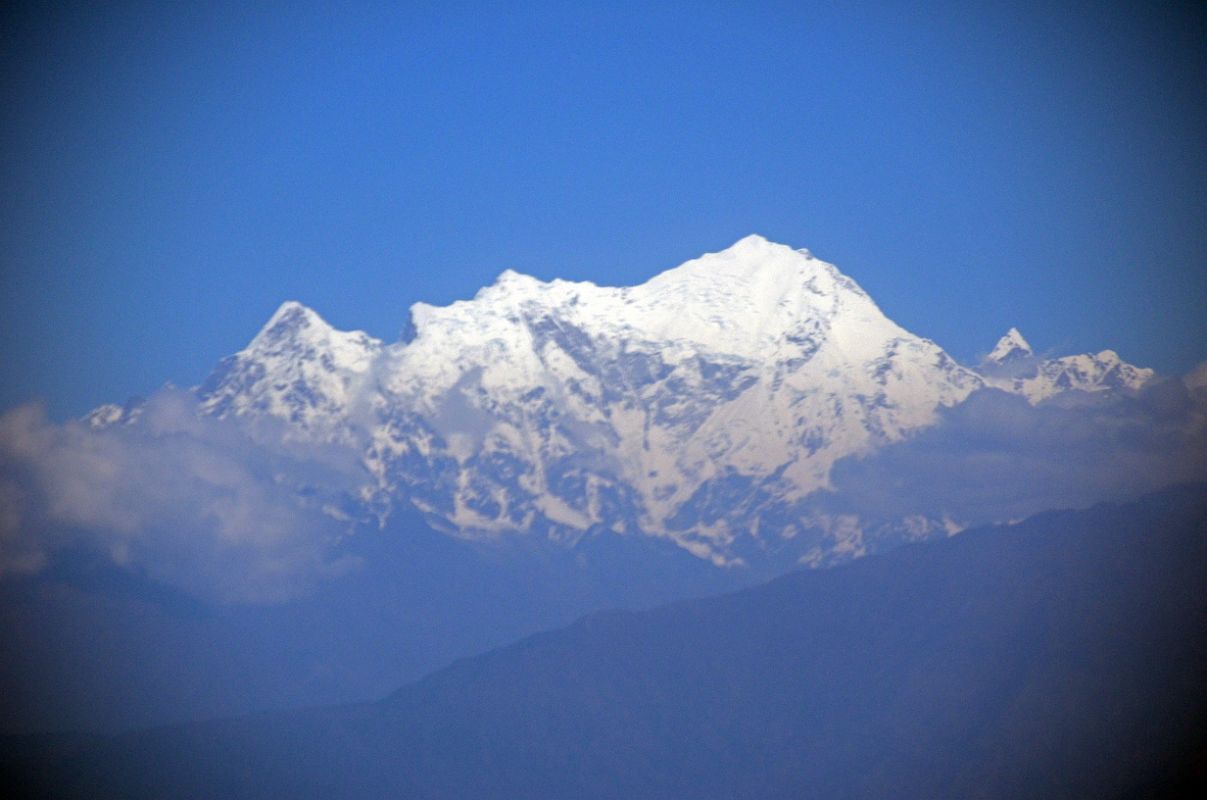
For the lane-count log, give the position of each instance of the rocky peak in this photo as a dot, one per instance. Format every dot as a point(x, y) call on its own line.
point(1010, 347)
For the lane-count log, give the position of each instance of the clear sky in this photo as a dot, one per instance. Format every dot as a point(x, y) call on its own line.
point(172, 172)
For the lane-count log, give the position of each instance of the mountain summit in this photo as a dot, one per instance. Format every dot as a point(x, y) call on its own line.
point(702, 406)
point(1010, 347)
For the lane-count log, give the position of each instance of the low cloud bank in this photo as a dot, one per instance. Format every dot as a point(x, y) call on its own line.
point(243, 514)
point(996, 458)
point(190, 501)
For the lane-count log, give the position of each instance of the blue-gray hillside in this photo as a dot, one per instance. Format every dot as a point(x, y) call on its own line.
point(1059, 657)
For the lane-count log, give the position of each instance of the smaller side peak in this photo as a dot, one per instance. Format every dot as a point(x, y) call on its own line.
point(292, 310)
point(1014, 337)
point(1011, 346)
point(288, 322)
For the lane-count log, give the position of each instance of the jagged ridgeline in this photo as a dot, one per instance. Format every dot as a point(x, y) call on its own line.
point(703, 406)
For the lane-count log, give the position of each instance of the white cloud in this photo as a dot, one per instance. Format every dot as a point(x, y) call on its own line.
point(189, 500)
point(995, 457)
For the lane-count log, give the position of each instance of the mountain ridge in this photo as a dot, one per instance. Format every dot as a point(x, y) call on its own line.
point(703, 406)
point(1056, 657)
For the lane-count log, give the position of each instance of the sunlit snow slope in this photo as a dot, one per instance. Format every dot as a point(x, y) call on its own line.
point(703, 405)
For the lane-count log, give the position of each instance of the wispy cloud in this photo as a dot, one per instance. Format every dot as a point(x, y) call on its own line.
point(190, 501)
point(235, 513)
point(995, 457)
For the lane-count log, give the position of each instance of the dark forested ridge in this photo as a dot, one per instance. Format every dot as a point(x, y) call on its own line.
point(1059, 657)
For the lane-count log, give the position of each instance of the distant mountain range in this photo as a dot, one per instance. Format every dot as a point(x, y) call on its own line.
point(704, 406)
point(328, 516)
point(1059, 657)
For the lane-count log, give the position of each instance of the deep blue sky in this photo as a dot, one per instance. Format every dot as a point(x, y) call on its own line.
point(172, 174)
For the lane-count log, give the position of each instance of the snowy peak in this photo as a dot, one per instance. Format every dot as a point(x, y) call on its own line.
point(1010, 347)
point(751, 260)
point(289, 322)
point(566, 405)
point(1096, 372)
point(751, 298)
point(755, 244)
point(1013, 366)
point(295, 312)
point(755, 241)
point(703, 405)
point(298, 368)
point(295, 329)
point(511, 284)
point(752, 248)
point(1014, 370)
point(745, 301)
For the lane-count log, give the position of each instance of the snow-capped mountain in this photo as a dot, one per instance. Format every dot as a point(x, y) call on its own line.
point(1010, 348)
point(704, 405)
point(1013, 367)
point(299, 370)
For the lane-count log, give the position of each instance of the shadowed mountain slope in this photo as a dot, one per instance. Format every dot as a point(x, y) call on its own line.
point(1060, 657)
